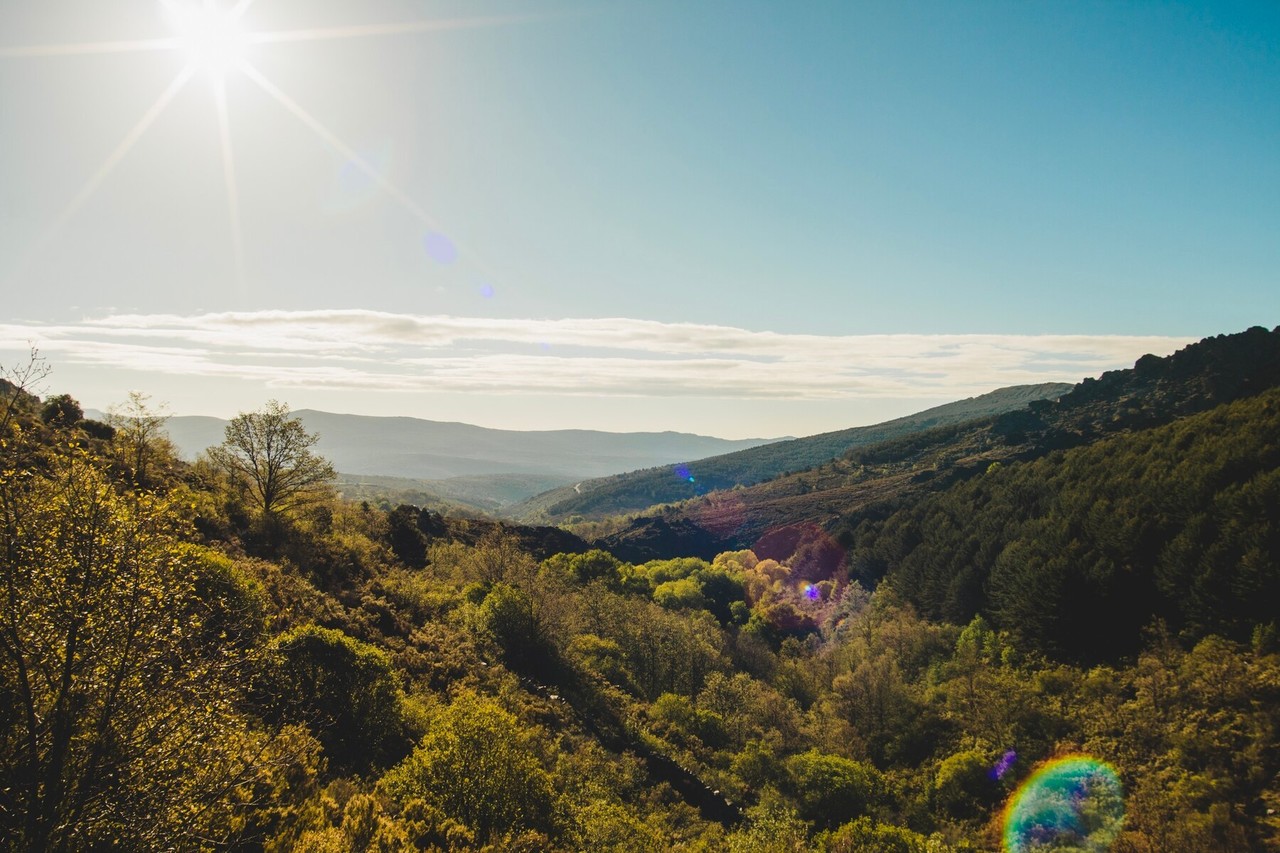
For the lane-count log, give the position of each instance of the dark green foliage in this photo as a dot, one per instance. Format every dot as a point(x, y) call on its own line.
point(722, 590)
point(481, 767)
point(346, 691)
point(641, 489)
point(61, 410)
point(594, 565)
point(897, 473)
point(908, 445)
point(507, 615)
point(965, 786)
point(866, 836)
point(1078, 551)
point(228, 602)
point(657, 651)
point(97, 429)
point(678, 718)
point(830, 789)
point(407, 541)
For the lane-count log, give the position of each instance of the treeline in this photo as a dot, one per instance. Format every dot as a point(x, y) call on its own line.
point(1078, 552)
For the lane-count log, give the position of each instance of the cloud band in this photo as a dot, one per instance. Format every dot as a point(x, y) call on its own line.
point(378, 351)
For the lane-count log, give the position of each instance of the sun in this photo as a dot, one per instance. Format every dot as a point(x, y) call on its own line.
point(211, 38)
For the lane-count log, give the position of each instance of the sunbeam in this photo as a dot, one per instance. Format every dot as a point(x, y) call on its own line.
point(229, 174)
point(113, 159)
point(211, 38)
point(213, 41)
point(189, 19)
point(86, 48)
point(363, 30)
point(337, 144)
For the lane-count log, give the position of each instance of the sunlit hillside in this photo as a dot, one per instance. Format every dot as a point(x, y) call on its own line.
point(228, 656)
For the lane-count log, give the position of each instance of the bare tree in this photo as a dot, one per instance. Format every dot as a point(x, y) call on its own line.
point(269, 454)
point(140, 437)
point(16, 386)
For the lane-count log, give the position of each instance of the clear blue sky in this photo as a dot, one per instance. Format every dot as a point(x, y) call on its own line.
point(666, 215)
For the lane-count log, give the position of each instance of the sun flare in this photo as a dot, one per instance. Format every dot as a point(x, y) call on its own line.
point(212, 39)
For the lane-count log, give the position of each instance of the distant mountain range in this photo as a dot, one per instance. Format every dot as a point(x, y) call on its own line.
point(638, 490)
point(470, 465)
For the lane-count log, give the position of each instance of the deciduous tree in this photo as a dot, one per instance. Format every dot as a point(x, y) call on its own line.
point(268, 454)
point(481, 766)
point(140, 438)
point(118, 720)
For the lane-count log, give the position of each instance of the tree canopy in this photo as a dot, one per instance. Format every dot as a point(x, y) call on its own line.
point(393, 681)
point(268, 454)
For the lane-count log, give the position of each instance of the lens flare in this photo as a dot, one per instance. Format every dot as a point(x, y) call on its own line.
point(1002, 766)
point(439, 247)
point(353, 186)
point(1074, 803)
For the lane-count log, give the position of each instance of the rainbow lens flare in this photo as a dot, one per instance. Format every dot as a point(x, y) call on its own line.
point(1074, 803)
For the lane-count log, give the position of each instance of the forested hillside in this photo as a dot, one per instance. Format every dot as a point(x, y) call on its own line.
point(195, 658)
point(1076, 552)
point(638, 490)
point(481, 496)
point(778, 516)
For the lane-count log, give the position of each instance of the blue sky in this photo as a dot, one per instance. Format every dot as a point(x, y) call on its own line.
point(724, 217)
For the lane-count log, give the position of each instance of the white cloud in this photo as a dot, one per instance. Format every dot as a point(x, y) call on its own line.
point(375, 351)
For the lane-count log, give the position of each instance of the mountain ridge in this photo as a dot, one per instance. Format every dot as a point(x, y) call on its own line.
point(421, 449)
point(637, 490)
point(779, 516)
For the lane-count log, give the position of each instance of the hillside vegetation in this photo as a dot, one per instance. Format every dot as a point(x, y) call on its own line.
point(1077, 552)
point(478, 495)
point(774, 517)
point(638, 490)
point(188, 664)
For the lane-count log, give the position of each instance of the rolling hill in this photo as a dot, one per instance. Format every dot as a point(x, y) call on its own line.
point(811, 508)
point(638, 490)
point(479, 467)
